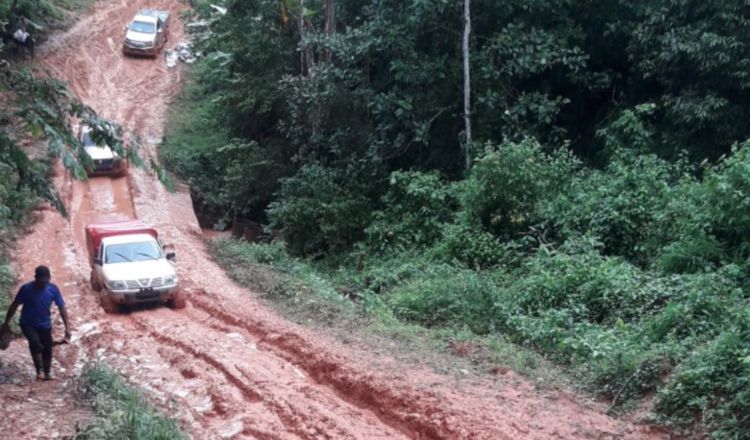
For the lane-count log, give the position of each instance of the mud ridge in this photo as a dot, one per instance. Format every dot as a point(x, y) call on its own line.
point(415, 419)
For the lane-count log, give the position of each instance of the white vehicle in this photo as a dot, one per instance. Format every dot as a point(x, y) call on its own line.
point(147, 33)
point(129, 266)
point(104, 159)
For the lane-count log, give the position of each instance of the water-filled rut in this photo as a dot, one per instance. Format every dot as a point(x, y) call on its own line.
point(227, 366)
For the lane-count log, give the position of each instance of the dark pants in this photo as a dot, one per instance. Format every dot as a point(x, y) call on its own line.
point(40, 345)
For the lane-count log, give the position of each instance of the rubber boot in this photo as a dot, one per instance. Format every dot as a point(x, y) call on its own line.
point(37, 357)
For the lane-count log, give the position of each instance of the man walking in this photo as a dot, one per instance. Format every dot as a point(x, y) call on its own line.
point(36, 297)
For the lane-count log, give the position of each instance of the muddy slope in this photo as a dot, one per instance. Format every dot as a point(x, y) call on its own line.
point(227, 366)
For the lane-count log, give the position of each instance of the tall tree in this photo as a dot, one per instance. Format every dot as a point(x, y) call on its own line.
point(467, 83)
point(330, 24)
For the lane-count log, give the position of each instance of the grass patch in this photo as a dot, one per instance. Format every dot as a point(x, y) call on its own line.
point(6, 282)
point(337, 299)
point(266, 269)
point(120, 411)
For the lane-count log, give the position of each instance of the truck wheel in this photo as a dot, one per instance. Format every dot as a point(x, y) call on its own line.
point(108, 305)
point(178, 302)
point(95, 283)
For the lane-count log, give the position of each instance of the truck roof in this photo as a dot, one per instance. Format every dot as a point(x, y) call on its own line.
point(144, 19)
point(152, 15)
point(96, 232)
point(130, 238)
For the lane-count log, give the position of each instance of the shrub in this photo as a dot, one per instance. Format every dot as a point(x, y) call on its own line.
point(444, 296)
point(620, 205)
point(711, 388)
point(577, 278)
point(696, 306)
point(475, 249)
point(708, 221)
point(507, 184)
point(415, 209)
point(320, 210)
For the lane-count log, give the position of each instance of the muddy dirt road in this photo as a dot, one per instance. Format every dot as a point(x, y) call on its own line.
point(227, 366)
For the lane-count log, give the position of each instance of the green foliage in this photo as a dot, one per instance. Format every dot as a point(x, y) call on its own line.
point(475, 248)
point(445, 296)
point(617, 204)
point(693, 55)
point(604, 223)
point(415, 209)
point(507, 184)
point(40, 14)
point(320, 210)
point(6, 281)
point(711, 389)
point(120, 411)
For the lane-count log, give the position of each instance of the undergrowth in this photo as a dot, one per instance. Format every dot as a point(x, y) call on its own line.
point(120, 411)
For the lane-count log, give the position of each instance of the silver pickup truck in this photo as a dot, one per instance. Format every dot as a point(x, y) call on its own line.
point(147, 33)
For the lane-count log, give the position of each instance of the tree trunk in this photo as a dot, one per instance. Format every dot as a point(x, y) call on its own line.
point(12, 16)
point(302, 36)
point(330, 24)
point(307, 56)
point(467, 84)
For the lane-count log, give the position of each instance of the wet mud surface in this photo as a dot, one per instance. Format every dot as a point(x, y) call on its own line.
point(227, 366)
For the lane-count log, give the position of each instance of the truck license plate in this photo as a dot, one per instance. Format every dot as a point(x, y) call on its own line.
point(146, 293)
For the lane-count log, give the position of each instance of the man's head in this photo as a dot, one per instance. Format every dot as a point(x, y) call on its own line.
point(42, 275)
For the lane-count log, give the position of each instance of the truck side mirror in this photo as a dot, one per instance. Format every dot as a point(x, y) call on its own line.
point(171, 256)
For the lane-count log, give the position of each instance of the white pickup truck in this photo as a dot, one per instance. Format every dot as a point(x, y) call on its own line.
point(147, 33)
point(104, 160)
point(129, 265)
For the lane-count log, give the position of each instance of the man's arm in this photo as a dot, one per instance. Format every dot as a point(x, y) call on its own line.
point(64, 315)
point(63, 311)
point(11, 311)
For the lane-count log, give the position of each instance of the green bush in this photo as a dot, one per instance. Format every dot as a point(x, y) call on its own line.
point(620, 205)
point(711, 388)
point(320, 210)
point(415, 210)
point(475, 248)
point(577, 278)
point(507, 184)
point(708, 220)
point(444, 296)
point(696, 308)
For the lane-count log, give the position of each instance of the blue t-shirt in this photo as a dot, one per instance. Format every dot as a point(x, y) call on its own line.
point(36, 304)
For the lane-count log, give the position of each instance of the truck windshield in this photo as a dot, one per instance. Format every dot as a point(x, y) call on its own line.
point(130, 252)
point(143, 27)
point(87, 141)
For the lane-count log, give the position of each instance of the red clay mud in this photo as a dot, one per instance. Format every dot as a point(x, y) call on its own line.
point(228, 366)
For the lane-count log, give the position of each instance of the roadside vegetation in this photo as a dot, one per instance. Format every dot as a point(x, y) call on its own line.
point(598, 214)
point(35, 130)
point(120, 411)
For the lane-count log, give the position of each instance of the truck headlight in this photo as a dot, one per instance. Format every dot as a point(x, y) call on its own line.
point(117, 285)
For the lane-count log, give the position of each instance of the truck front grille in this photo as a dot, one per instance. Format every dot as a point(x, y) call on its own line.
point(104, 164)
point(144, 283)
point(138, 44)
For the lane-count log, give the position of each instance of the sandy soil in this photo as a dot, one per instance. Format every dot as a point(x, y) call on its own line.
point(227, 366)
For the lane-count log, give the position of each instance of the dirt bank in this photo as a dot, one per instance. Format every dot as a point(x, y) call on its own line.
point(227, 366)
